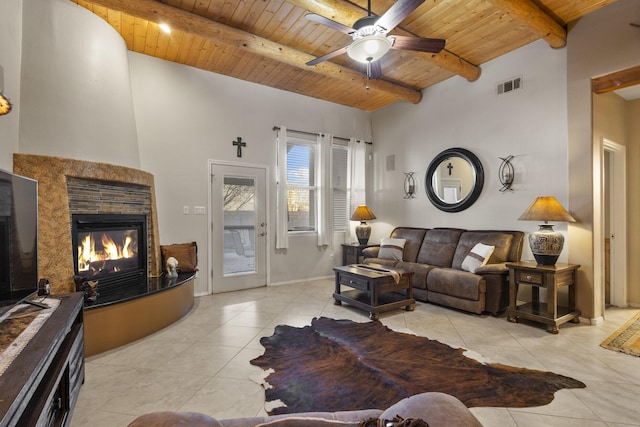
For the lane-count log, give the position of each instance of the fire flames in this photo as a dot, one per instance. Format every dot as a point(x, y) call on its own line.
point(110, 250)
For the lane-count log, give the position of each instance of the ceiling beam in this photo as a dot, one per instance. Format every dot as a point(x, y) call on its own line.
point(536, 20)
point(190, 23)
point(615, 81)
point(347, 13)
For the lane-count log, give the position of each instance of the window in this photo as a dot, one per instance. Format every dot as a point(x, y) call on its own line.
point(313, 186)
point(301, 187)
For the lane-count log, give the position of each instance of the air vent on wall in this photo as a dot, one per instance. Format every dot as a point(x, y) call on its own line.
point(510, 85)
point(391, 162)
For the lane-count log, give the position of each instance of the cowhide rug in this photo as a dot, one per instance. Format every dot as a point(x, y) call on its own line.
point(340, 365)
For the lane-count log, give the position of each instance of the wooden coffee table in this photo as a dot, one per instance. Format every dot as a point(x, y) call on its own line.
point(374, 290)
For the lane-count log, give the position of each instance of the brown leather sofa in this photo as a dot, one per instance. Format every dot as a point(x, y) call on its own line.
point(436, 255)
point(437, 409)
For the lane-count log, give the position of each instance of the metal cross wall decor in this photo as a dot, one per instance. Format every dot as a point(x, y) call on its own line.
point(239, 144)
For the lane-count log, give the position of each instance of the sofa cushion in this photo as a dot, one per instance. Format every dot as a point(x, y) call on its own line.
point(439, 246)
point(175, 419)
point(420, 272)
point(293, 421)
point(456, 283)
point(478, 256)
point(437, 409)
point(468, 239)
point(413, 237)
point(391, 248)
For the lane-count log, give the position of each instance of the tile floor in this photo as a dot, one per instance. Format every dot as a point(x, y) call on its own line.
point(201, 363)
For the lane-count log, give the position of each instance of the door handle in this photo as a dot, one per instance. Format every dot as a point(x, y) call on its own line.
point(264, 233)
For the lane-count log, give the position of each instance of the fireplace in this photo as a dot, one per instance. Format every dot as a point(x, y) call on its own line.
point(110, 249)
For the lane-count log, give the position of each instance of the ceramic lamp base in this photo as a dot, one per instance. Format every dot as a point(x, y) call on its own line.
point(546, 244)
point(363, 232)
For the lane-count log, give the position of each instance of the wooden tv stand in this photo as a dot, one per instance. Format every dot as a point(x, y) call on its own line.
point(41, 386)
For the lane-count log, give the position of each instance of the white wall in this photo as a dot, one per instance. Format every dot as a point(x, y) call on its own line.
point(10, 48)
point(75, 86)
point(186, 117)
point(528, 123)
point(598, 44)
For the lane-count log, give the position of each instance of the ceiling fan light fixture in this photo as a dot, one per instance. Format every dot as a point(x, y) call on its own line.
point(369, 48)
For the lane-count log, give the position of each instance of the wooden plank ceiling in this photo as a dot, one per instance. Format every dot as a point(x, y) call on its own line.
point(268, 42)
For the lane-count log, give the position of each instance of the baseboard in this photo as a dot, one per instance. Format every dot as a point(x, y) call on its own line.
point(307, 279)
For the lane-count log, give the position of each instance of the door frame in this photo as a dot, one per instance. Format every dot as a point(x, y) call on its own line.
point(617, 217)
point(267, 184)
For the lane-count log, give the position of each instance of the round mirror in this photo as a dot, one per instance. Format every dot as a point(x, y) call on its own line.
point(454, 180)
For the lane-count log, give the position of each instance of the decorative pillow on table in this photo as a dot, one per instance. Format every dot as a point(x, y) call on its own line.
point(478, 256)
point(185, 253)
point(391, 248)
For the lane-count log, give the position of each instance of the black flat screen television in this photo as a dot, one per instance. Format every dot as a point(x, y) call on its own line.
point(18, 239)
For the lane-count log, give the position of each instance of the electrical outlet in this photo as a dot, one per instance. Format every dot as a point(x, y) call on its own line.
point(199, 210)
point(185, 210)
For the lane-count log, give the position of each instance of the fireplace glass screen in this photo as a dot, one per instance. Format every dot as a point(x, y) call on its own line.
point(111, 249)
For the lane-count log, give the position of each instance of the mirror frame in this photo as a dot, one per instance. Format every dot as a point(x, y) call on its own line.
point(478, 171)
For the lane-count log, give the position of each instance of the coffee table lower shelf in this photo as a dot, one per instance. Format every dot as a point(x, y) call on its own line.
point(386, 302)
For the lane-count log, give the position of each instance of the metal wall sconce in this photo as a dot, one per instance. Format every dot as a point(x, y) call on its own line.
point(506, 173)
point(409, 185)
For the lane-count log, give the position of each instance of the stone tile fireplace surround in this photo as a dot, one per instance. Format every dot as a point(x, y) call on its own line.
point(55, 252)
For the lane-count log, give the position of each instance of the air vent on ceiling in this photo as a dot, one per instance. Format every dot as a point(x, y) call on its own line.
point(510, 85)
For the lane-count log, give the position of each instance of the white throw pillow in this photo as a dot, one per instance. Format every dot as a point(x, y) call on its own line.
point(391, 248)
point(478, 256)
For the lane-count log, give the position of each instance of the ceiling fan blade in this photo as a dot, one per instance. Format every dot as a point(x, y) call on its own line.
point(328, 56)
point(374, 70)
point(396, 13)
point(319, 19)
point(417, 43)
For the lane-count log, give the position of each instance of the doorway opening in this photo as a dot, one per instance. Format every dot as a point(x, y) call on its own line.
point(614, 205)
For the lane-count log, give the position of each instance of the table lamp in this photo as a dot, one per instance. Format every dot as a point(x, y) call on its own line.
point(546, 243)
point(363, 231)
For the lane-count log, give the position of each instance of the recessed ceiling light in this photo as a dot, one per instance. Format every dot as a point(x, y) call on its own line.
point(165, 28)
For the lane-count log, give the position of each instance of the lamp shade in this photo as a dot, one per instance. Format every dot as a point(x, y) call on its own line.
point(546, 208)
point(362, 213)
point(363, 231)
point(546, 243)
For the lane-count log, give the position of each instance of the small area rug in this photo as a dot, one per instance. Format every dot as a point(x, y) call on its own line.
point(626, 339)
point(341, 365)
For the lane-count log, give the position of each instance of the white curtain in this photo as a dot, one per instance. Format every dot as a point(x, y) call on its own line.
point(324, 193)
point(282, 232)
point(357, 182)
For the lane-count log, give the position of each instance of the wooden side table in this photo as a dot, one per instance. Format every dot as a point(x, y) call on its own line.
point(352, 252)
point(551, 278)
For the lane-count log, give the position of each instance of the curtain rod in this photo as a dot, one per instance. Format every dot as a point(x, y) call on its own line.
point(316, 133)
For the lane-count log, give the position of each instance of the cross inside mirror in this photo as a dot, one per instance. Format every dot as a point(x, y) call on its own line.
point(239, 144)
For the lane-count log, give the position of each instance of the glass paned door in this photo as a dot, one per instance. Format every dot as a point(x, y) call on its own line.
point(238, 227)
